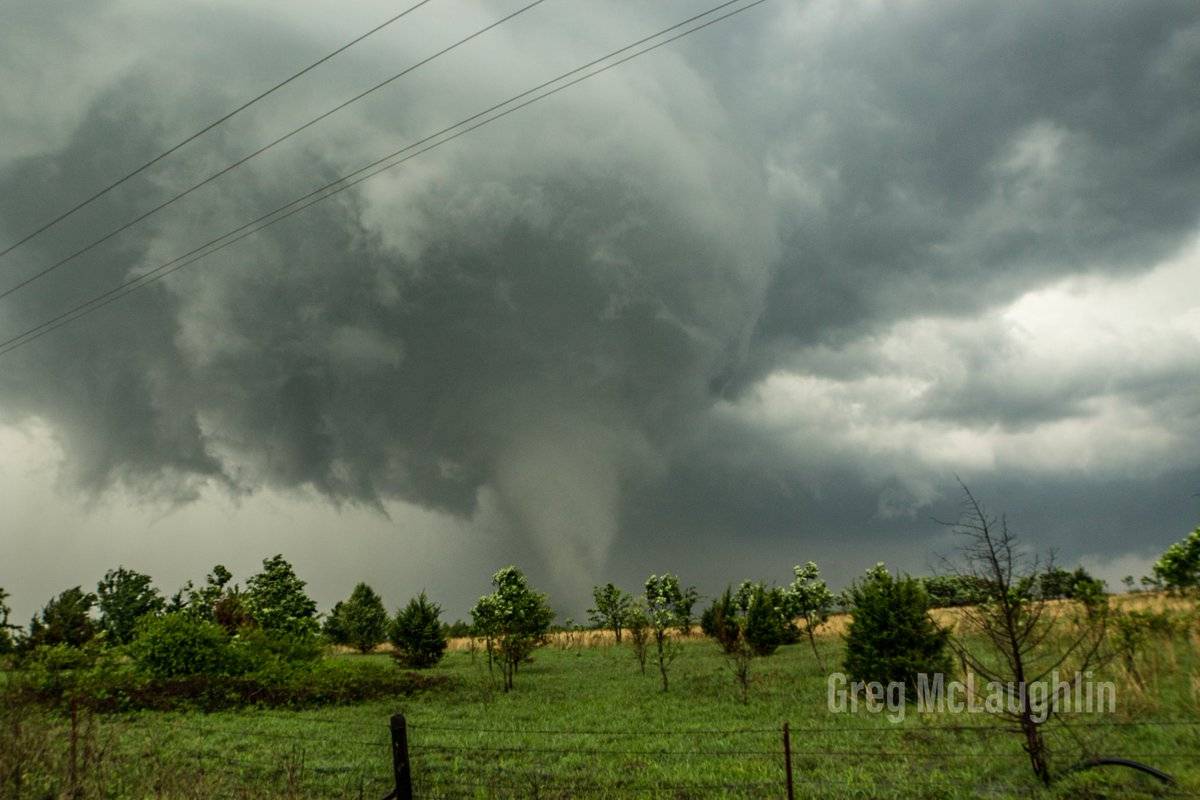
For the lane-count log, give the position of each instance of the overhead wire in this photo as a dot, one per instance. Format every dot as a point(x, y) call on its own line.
point(193, 137)
point(369, 171)
point(264, 148)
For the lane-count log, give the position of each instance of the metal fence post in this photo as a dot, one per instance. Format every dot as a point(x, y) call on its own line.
point(787, 760)
point(401, 769)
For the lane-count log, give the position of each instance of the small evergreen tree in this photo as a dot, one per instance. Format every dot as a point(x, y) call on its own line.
point(417, 635)
point(332, 628)
point(8, 632)
point(891, 637)
point(275, 599)
point(612, 607)
point(361, 621)
point(124, 597)
point(66, 619)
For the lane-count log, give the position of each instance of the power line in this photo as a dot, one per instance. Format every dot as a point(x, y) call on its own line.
point(209, 127)
point(366, 172)
point(231, 167)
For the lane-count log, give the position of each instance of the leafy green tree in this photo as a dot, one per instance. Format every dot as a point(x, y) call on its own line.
point(275, 599)
point(219, 600)
point(124, 597)
point(360, 621)
point(417, 634)
point(514, 620)
point(949, 591)
point(637, 625)
point(1179, 566)
point(892, 637)
point(668, 607)
point(612, 607)
point(66, 619)
point(808, 599)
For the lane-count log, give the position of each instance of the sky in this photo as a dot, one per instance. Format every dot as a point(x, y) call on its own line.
point(764, 295)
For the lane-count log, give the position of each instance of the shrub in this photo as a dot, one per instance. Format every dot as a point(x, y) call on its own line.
point(891, 637)
point(360, 621)
point(174, 645)
point(417, 635)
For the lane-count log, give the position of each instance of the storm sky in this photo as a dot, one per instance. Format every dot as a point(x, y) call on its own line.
point(755, 298)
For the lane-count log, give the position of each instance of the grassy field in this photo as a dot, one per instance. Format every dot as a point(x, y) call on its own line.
point(583, 721)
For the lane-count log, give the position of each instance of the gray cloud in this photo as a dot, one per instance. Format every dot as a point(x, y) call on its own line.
point(750, 289)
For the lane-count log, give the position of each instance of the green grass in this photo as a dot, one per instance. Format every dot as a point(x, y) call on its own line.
point(585, 722)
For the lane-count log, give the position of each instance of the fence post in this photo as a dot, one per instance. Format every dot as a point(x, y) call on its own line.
point(787, 760)
point(401, 769)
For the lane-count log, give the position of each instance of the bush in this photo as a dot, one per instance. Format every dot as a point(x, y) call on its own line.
point(174, 645)
point(118, 688)
point(417, 635)
point(891, 637)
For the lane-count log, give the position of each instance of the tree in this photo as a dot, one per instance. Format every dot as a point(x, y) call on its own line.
point(686, 607)
point(668, 606)
point(218, 600)
point(809, 599)
point(276, 600)
point(361, 621)
point(1017, 627)
point(950, 591)
point(891, 638)
point(612, 607)
point(749, 623)
point(66, 619)
point(8, 632)
point(124, 597)
point(1178, 568)
point(637, 625)
point(514, 620)
point(417, 634)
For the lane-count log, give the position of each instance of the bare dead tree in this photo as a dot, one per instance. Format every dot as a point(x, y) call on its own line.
point(1026, 638)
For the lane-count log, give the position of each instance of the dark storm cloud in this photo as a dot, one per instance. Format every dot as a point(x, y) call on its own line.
point(579, 309)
